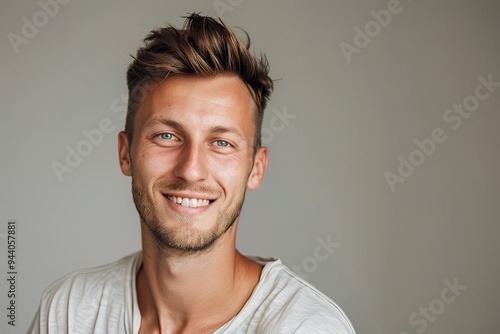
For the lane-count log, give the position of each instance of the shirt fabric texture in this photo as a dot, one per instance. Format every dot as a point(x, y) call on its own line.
point(104, 300)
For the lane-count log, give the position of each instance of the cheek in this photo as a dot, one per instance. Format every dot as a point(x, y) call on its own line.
point(230, 172)
point(151, 165)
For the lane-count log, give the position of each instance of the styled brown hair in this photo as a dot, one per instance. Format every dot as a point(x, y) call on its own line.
point(204, 47)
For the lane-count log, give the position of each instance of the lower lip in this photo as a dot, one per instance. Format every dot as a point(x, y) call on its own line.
point(186, 209)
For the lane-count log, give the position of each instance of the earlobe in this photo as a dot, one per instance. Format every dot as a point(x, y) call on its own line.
point(123, 154)
point(258, 169)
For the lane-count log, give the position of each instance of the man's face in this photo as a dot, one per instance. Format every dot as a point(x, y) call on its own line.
point(192, 158)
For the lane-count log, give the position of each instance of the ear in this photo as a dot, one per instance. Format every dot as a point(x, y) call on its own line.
point(123, 154)
point(258, 169)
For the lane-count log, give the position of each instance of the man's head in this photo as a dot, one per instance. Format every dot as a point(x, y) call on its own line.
point(205, 48)
point(192, 138)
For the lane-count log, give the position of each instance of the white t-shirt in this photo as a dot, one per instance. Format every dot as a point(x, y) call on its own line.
point(104, 300)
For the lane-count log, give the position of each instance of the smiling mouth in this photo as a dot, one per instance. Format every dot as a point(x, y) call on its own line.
point(189, 202)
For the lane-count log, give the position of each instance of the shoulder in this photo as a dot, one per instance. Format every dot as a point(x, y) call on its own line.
point(284, 302)
point(84, 296)
point(81, 282)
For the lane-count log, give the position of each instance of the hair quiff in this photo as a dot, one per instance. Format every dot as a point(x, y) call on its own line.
point(204, 47)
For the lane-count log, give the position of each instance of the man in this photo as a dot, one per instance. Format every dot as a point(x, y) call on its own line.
point(192, 147)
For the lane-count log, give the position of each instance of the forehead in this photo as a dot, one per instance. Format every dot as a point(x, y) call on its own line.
point(189, 98)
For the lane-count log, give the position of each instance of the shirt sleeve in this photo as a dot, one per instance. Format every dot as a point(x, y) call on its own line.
point(34, 327)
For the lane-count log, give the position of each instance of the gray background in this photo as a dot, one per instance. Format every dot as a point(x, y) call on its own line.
point(326, 174)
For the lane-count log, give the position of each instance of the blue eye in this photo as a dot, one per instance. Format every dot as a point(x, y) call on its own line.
point(167, 136)
point(222, 143)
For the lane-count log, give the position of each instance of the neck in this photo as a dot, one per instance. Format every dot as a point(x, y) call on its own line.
point(196, 292)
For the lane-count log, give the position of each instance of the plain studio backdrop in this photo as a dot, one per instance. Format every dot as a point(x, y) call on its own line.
point(383, 187)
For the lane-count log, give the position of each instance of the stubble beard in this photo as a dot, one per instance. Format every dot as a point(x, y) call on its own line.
point(184, 237)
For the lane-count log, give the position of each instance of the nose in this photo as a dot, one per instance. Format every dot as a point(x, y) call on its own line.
point(191, 164)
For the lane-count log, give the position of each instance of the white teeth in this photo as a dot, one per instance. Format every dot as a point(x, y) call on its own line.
point(189, 202)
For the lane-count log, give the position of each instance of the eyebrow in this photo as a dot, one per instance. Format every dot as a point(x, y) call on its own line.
point(215, 129)
point(225, 129)
point(167, 122)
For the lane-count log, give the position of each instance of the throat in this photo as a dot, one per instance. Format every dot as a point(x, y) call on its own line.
point(197, 304)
